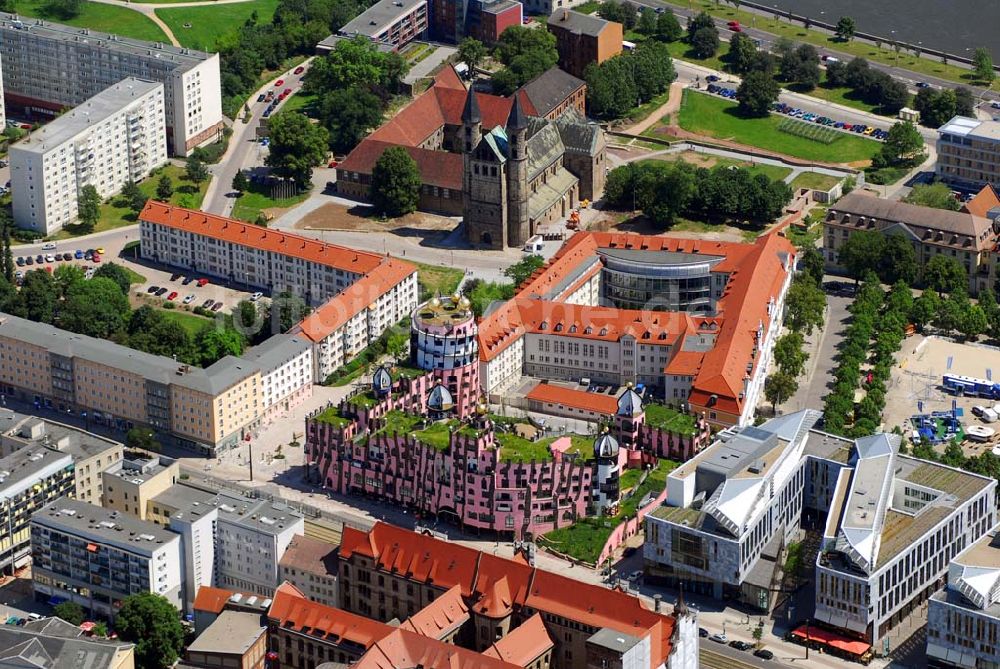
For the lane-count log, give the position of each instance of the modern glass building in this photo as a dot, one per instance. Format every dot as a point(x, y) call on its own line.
point(660, 280)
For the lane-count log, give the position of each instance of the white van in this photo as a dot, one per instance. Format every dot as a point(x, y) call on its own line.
point(534, 245)
point(989, 416)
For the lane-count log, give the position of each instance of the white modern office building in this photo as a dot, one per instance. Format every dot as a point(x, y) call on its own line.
point(49, 67)
point(97, 557)
point(963, 620)
point(892, 522)
point(115, 137)
point(968, 152)
point(251, 536)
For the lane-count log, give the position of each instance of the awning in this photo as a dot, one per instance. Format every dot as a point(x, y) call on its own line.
point(832, 639)
point(92, 548)
point(951, 656)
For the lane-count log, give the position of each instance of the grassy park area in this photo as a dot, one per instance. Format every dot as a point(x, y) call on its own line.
point(814, 180)
point(256, 201)
point(97, 16)
point(202, 27)
point(714, 117)
point(707, 160)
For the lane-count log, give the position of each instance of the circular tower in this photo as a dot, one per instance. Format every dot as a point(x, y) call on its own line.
point(443, 340)
point(606, 490)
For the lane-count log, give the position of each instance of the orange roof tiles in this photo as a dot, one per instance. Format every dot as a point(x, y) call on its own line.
point(257, 237)
point(403, 649)
point(982, 202)
point(524, 644)
point(685, 363)
point(437, 168)
point(211, 599)
point(310, 555)
point(354, 299)
point(576, 399)
point(441, 617)
point(499, 583)
point(290, 609)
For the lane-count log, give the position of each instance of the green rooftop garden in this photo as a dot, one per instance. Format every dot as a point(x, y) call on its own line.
point(331, 415)
point(437, 435)
point(365, 399)
point(665, 418)
point(514, 448)
point(407, 370)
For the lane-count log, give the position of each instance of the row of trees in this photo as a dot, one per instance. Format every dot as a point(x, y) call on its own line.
point(618, 84)
point(805, 304)
point(891, 258)
point(664, 190)
point(938, 106)
point(662, 26)
point(873, 86)
point(483, 293)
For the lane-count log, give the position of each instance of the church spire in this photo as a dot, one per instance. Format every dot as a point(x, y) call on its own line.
point(471, 113)
point(517, 120)
point(680, 608)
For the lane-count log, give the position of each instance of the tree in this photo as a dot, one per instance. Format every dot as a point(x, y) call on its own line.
point(756, 93)
point(611, 87)
point(805, 304)
point(705, 42)
point(38, 297)
point(216, 343)
point(936, 107)
point(788, 353)
point(71, 612)
point(88, 206)
point(286, 310)
point(240, 182)
point(471, 52)
point(982, 65)
point(67, 276)
point(525, 54)
point(396, 344)
point(925, 308)
point(801, 66)
point(395, 187)
point(945, 274)
point(520, 271)
point(117, 273)
point(779, 387)
point(63, 9)
point(668, 28)
point(142, 439)
point(965, 102)
point(696, 23)
point(903, 145)
point(652, 69)
point(836, 74)
point(988, 303)
point(349, 114)
point(936, 195)
point(195, 170)
point(845, 28)
point(355, 63)
point(151, 622)
point(8, 255)
point(742, 54)
point(973, 321)
point(96, 308)
point(164, 188)
point(133, 196)
point(811, 263)
point(647, 22)
point(297, 145)
point(898, 261)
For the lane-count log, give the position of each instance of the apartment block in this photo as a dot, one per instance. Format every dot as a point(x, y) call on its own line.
point(394, 23)
point(968, 152)
point(582, 39)
point(30, 478)
point(205, 410)
point(129, 486)
point(963, 620)
point(98, 557)
point(113, 138)
point(193, 514)
point(311, 566)
point(49, 67)
point(92, 454)
point(251, 536)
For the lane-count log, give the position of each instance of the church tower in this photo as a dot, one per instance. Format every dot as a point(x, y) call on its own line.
point(685, 640)
point(519, 228)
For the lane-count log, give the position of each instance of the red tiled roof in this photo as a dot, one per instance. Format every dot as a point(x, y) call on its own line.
point(576, 399)
point(524, 644)
point(290, 609)
point(414, 123)
point(685, 363)
point(982, 202)
point(309, 555)
point(494, 108)
point(403, 648)
point(499, 583)
point(441, 616)
point(211, 599)
point(257, 237)
point(354, 299)
point(437, 168)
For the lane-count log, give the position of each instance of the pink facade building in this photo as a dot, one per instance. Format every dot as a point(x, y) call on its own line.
point(443, 339)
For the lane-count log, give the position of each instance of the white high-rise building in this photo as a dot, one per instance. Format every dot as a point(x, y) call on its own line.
point(49, 66)
point(114, 137)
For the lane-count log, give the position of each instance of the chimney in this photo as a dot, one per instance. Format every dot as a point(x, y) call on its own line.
point(565, 15)
point(656, 602)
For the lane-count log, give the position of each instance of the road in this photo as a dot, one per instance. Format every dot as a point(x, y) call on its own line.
point(821, 361)
point(767, 41)
point(242, 144)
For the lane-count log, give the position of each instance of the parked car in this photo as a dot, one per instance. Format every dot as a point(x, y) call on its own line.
point(216, 306)
point(175, 276)
point(995, 104)
point(50, 258)
point(189, 299)
point(299, 70)
point(187, 280)
point(635, 576)
point(172, 296)
point(78, 254)
point(740, 645)
point(719, 638)
point(49, 246)
point(20, 261)
point(152, 289)
point(207, 304)
point(764, 654)
point(99, 251)
point(96, 258)
point(29, 260)
point(702, 632)
point(279, 83)
point(712, 77)
point(256, 296)
point(202, 283)
point(160, 292)
point(923, 84)
point(260, 98)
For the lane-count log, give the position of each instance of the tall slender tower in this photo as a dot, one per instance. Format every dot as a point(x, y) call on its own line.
point(685, 641)
point(518, 225)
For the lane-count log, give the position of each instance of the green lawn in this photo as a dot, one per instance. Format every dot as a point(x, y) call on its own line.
point(715, 117)
point(302, 102)
point(331, 415)
point(841, 96)
point(682, 50)
point(436, 279)
point(190, 322)
point(666, 418)
point(116, 214)
point(212, 23)
point(253, 202)
point(104, 18)
point(795, 31)
point(814, 180)
point(133, 276)
point(775, 172)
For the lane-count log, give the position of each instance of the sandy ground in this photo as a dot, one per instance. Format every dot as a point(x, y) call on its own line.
point(335, 216)
point(922, 363)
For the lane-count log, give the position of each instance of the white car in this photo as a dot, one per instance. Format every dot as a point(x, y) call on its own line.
point(635, 576)
point(50, 258)
point(189, 299)
point(719, 638)
point(49, 247)
point(256, 296)
point(989, 416)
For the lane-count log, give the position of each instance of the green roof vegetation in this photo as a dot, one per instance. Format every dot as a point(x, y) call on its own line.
point(629, 478)
point(437, 435)
point(665, 418)
point(407, 370)
point(365, 399)
point(514, 448)
point(398, 422)
point(332, 416)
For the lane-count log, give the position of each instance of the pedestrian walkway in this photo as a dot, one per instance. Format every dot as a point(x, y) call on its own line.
point(672, 104)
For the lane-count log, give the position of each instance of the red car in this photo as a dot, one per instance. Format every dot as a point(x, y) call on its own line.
point(172, 296)
point(299, 70)
point(202, 282)
point(287, 91)
point(332, 163)
point(96, 257)
point(735, 26)
point(279, 83)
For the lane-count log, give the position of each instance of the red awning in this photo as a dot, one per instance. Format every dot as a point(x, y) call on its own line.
point(92, 548)
point(832, 639)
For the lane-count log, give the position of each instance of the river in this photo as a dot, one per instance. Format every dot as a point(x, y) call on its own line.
point(955, 26)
